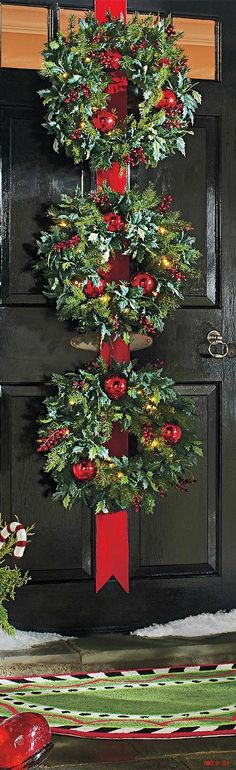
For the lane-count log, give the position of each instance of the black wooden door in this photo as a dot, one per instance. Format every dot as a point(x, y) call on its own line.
point(183, 557)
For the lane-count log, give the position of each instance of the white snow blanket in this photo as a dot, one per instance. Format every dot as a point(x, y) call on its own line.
point(221, 622)
point(23, 640)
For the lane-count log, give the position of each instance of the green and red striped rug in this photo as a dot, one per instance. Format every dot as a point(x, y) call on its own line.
point(174, 702)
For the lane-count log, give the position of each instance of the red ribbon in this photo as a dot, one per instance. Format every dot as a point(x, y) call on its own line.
point(112, 548)
point(112, 544)
point(116, 7)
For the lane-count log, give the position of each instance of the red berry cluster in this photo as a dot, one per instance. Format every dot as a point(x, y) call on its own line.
point(76, 134)
point(148, 433)
point(161, 492)
point(180, 65)
point(165, 203)
point(183, 484)
point(111, 59)
point(177, 274)
point(66, 244)
point(72, 97)
point(135, 156)
point(86, 91)
point(170, 32)
point(173, 123)
point(98, 37)
point(147, 325)
point(78, 384)
point(54, 437)
point(158, 365)
point(136, 503)
point(165, 62)
point(100, 200)
point(137, 46)
point(116, 324)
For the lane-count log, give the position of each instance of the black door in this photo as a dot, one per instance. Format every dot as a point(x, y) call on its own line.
point(183, 557)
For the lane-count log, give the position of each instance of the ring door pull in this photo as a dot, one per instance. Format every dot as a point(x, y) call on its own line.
point(217, 348)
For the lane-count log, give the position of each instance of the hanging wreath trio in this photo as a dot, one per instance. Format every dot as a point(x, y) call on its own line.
point(97, 60)
point(76, 257)
point(79, 422)
point(77, 254)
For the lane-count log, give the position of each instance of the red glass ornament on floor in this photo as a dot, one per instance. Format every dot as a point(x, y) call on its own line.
point(146, 282)
point(171, 433)
point(104, 121)
point(168, 100)
point(25, 740)
point(115, 387)
point(92, 291)
point(114, 222)
point(84, 470)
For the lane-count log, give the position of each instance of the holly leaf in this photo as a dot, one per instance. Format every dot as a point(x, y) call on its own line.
point(197, 97)
point(180, 144)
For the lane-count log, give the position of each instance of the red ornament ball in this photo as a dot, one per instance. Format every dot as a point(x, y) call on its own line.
point(171, 433)
point(168, 100)
point(104, 121)
point(84, 470)
point(145, 281)
point(23, 737)
point(116, 387)
point(91, 291)
point(111, 59)
point(114, 222)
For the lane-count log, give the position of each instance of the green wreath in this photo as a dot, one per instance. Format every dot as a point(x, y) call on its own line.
point(79, 421)
point(85, 67)
point(76, 250)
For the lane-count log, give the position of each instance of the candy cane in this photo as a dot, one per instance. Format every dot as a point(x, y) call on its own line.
point(14, 528)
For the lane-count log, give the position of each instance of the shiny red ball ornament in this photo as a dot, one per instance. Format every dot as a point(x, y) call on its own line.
point(25, 740)
point(168, 100)
point(114, 222)
point(104, 121)
point(171, 433)
point(116, 387)
point(145, 281)
point(84, 470)
point(91, 291)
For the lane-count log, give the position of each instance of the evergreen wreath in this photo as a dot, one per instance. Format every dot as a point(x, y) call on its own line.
point(78, 424)
point(91, 63)
point(86, 232)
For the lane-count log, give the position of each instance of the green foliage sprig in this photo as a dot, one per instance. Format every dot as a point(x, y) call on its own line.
point(80, 80)
point(10, 579)
point(149, 235)
point(81, 406)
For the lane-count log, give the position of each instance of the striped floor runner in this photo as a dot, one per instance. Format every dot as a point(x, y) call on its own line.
point(173, 702)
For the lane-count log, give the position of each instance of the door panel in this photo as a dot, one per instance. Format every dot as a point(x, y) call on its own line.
point(182, 557)
point(194, 184)
point(182, 536)
point(33, 179)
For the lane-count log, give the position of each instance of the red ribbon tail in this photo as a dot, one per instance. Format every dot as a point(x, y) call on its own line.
point(117, 350)
point(112, 549)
